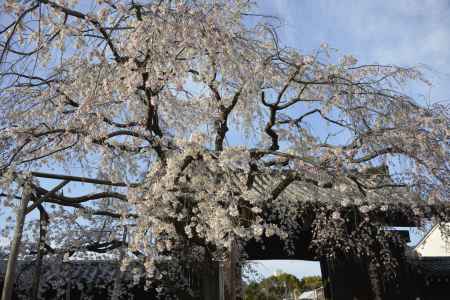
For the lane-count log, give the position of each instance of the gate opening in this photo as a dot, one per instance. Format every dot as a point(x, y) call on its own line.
point(282, 279)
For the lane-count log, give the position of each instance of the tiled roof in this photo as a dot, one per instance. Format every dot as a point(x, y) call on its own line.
point(323, 187)
point(434, 266)
point(78, 273)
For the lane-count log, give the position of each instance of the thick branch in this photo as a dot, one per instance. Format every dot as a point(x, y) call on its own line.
point(221, 123)
point(375, 154)
point(272, 119)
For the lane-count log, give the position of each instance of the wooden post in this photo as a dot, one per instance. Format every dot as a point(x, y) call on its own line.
point(210, 282)
point(119, 273)
point(43, 224)
point(68, 290)
point(374, 281)
point(15, 244)
point(327, 284)
point(22, 211)
point(221, 281)
point(232, 274)
point(232, 279)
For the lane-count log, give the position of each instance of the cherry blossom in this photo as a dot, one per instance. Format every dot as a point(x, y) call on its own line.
point(197, 132)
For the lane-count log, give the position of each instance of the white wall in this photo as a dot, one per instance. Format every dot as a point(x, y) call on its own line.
point(435, 244)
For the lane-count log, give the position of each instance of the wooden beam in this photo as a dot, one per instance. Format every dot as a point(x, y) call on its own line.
point(274, 248)
point(82, 179)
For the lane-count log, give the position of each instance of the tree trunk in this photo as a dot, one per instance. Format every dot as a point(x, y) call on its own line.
point(15, 244)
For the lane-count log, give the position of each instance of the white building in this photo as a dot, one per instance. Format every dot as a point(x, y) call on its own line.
point(317, 294)
point(435, 243)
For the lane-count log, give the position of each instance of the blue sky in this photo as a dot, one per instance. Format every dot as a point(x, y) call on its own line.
point(402, 32)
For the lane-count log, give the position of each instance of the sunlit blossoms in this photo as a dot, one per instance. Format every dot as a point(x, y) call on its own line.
point(197, 133)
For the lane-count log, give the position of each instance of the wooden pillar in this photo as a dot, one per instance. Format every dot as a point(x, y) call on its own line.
point(232, 275)
point(118, 272)
point(324, 269)
point(210, 282)
point(43, 224)
point(15, 244)
point(221, 282)
point(348, 279)
point(68, 290)
point(374, 281)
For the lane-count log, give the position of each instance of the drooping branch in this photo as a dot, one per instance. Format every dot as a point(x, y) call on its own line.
point(79, 15)
point(48, 154)
point(300, 119)
point(14, 25)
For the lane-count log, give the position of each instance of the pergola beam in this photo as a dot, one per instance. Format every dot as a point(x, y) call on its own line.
point(82, 179)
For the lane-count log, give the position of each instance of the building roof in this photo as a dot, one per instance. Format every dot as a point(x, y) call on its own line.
point(307, 183)
point(80, 274)
point(322, 187)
